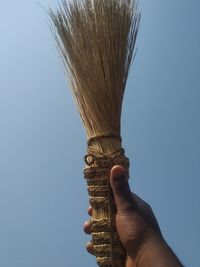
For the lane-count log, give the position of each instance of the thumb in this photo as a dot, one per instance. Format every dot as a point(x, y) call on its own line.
point(121, 190)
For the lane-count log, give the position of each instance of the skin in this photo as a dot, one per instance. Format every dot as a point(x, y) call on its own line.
point(137, 227)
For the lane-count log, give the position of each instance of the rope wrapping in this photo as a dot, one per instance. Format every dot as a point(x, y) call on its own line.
point(107, 245)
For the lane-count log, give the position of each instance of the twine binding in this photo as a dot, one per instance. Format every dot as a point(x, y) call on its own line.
point(107, 245)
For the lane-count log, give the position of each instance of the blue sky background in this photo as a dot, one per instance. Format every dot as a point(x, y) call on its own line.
point(43, 197)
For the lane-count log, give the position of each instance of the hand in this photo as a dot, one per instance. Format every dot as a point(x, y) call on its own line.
point(135, 221)
point(137, 227)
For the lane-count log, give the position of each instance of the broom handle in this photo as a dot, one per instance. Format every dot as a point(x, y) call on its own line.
point(108, 249)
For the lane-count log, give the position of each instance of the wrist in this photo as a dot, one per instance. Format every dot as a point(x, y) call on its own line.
point(147, 248)
point(156, 253)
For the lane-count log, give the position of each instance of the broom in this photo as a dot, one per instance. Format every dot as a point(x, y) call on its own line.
point(96, 39)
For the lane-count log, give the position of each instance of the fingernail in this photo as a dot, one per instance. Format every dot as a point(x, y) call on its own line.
point(118, 173)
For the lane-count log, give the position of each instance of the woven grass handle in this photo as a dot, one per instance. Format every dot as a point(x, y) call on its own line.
point(108, 249)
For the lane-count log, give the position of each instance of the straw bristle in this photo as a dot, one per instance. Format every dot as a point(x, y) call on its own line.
point(96, 39)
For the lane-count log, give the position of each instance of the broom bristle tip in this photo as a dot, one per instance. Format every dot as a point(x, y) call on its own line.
point(96, 39)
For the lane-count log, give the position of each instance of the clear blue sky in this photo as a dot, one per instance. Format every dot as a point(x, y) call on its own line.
point(43, 197)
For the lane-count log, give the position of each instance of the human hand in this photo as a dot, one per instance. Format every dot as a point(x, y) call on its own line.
point(135, 221)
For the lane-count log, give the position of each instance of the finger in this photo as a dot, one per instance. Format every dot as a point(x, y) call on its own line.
point(90, 211)
point(90, 248)
point(87, 227)
point(121, 190)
